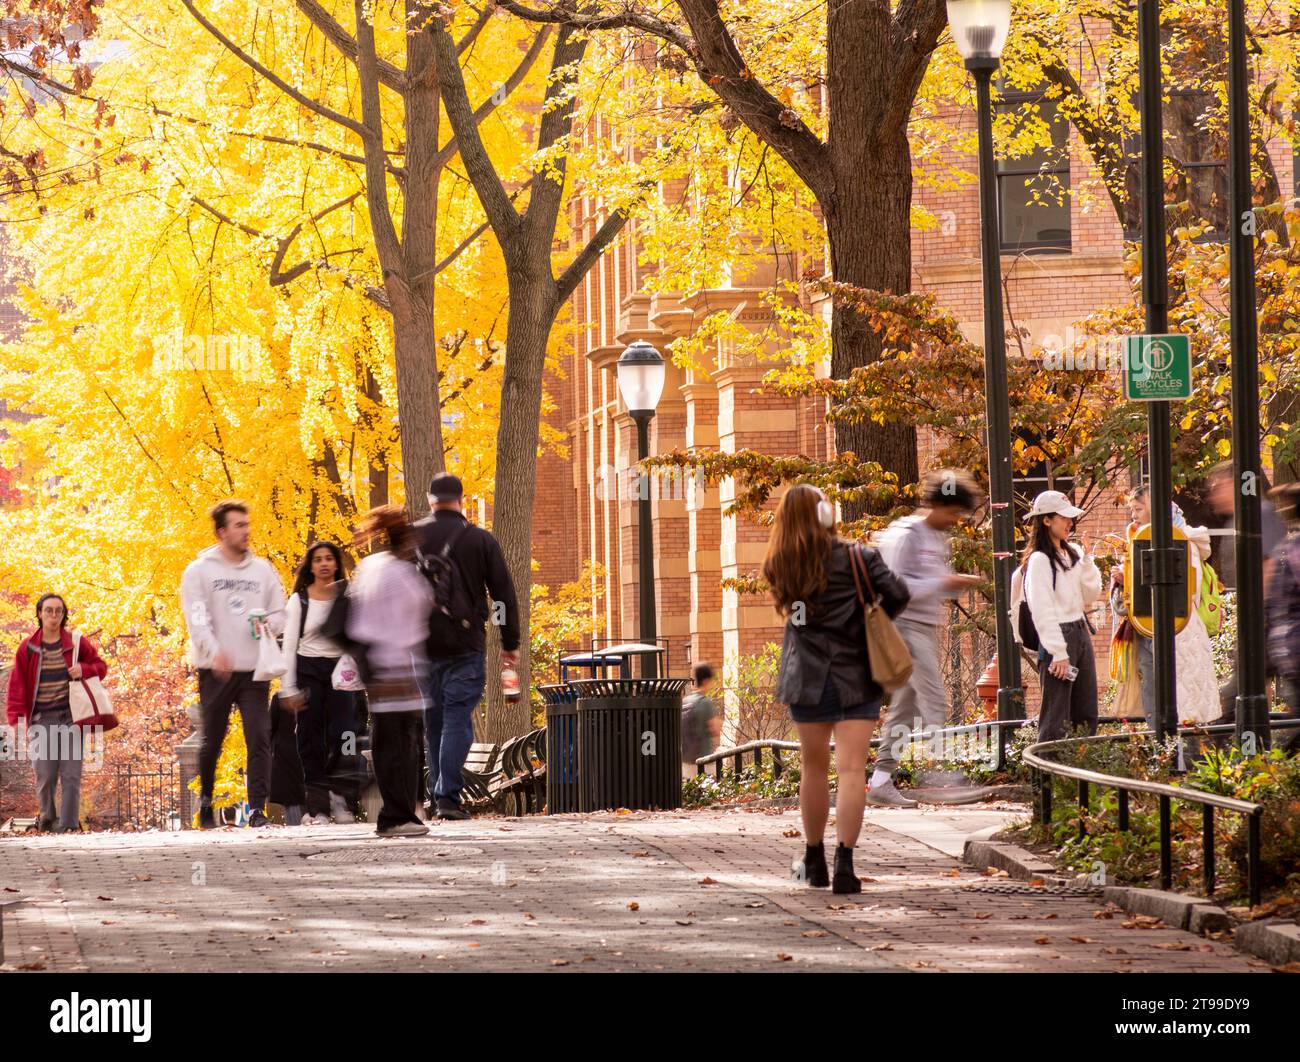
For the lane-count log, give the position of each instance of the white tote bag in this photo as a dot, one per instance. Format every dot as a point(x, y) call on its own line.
point(347, 676)
point(86, 696)
point(270, 661)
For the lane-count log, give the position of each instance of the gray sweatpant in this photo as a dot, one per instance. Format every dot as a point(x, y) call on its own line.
point(923, 701)
point(54, 745)
point(1069, 705)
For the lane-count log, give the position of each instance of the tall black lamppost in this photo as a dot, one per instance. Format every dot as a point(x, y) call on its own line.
point(979, 28)
point(1252, 700)
point(641, 382)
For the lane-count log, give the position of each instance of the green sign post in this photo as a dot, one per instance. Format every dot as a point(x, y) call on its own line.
point(1158, 368)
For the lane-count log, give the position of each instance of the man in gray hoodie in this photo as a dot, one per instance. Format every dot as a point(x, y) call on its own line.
point(224, 592)
point(917, 550)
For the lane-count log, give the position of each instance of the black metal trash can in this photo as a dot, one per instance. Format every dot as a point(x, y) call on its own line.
point(629, 743)
point(561, 748)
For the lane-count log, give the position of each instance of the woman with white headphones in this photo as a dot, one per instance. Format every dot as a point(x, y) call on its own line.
point(825, 676)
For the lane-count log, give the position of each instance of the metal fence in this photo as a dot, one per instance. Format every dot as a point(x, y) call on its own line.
point(147, 795)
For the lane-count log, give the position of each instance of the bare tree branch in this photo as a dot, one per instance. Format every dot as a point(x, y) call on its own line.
point(271, 76)
point(334, 32)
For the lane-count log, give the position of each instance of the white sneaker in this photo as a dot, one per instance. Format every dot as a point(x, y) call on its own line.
point(340, 811)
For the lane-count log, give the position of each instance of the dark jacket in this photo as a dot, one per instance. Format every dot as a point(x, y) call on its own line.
point(480, 562)
point(26, 675)
point(832, 638)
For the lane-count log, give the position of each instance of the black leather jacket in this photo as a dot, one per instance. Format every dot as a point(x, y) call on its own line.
point(832, 639)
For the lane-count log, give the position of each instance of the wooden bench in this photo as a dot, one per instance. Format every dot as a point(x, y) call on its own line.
point(481, 767)
point(520, 788)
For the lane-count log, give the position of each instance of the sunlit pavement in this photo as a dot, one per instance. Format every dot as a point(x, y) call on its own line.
point(634, 891)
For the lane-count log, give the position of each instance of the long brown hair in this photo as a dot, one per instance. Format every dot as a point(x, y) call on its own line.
point(385, 526)
point(1040, 541)
point(798, 551)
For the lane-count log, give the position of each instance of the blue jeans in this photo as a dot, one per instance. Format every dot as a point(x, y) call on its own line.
point(451, 693)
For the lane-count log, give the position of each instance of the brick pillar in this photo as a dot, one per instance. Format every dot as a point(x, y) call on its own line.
point(768, 423)
point(704, 526)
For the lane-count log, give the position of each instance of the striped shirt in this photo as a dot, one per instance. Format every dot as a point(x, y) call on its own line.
point(52, 686)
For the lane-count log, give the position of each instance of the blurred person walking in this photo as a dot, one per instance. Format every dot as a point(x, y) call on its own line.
point(825, 675)
point(389, 602)
point(1222, 497)
point(326, 716)
point(918, 550)
point(231, 598)
point(701, 720)
point(1058, 581)
point(467, 570)
point(45, 665)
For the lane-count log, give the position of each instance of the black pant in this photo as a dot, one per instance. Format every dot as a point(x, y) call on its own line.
point(216, 697)
point(396, 740)
point(287, 788)
point(1065, 704)
point(327, 734)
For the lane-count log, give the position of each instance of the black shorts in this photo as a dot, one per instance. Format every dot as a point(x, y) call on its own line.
point(831, 711)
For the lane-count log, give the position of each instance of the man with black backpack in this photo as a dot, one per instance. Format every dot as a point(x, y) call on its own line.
point(467, 570)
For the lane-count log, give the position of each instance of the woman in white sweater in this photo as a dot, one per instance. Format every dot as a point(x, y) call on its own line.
point(1059, 581)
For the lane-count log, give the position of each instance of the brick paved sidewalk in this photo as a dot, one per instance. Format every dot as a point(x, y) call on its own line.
point(670, 891)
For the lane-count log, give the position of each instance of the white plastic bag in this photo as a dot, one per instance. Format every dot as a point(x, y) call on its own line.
point(270, 661)
point(347, 676)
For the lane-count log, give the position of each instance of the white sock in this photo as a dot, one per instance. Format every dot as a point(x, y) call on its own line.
point(880, 777)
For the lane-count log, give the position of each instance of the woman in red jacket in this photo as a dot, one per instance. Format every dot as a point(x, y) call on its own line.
point(38, 699)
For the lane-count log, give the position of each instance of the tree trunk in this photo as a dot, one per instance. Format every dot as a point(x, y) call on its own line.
point(531, 314)
point(870, 231)
point(416, 363)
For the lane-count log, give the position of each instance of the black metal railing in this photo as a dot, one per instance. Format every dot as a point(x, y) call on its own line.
point(146, 796)
point(990, 736)
point(1165, 794)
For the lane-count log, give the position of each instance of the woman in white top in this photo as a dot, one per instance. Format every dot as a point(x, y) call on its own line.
point(1059, 582)
point(327, 718)
point(389, 605)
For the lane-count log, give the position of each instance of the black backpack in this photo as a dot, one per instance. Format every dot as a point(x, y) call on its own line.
point(451, 596)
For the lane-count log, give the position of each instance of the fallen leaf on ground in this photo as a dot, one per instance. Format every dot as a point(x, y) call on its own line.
point(783, 957)
point(791, 833)
point(882, 947)
point(707, 881)
point(1042, 940)
point(1085, 940)
point(683, 921)
point(1113, 951)
point(983, 914)
point(633, 905)
point(951, 874)
point(815, 933)
point(640, 855)
point(1047, 917)
point(477, 922)
point(104, 898)
point(1291, 967)
point(1175, 947)
point(559, 962)
point(756, 903)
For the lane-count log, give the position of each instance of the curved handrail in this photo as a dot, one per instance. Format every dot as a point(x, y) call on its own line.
point(1164, 791)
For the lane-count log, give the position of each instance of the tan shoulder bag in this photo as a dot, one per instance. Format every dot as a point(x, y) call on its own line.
point(887, 654)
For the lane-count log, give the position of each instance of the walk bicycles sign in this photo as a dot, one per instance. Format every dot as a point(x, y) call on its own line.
point(1157, 368)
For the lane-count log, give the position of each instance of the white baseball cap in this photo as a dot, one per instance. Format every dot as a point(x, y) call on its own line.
point(1053, 501)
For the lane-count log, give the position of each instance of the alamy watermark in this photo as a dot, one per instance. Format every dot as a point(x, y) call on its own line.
point(237, 352)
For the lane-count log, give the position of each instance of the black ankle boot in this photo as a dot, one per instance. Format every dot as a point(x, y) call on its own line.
point(846, 881)
point(814, 866)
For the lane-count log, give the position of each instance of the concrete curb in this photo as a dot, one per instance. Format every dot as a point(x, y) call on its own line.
point(1276, 941)
point(1273, 940)
point(1020, 864)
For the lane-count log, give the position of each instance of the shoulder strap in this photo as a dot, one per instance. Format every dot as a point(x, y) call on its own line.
point(76, 645)
point(452, 539)
point(304, 602)
point(856, 560)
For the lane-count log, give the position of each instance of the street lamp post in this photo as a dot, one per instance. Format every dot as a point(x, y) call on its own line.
point(1252, 699)
point(641, 383)
point(979, 28)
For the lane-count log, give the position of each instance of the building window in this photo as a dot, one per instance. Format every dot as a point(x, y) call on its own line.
point(1034, 187)
point(1199, 154)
